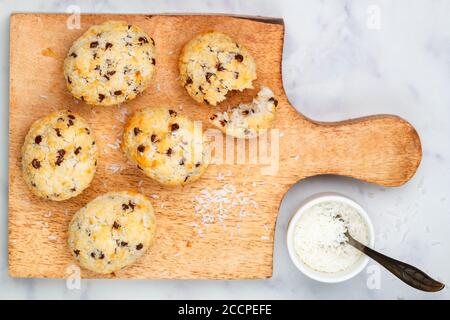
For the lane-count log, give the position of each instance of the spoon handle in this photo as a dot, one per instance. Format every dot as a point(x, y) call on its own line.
point(405, 272)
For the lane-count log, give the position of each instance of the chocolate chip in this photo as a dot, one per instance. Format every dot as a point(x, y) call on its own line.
point(206, 101)
point(77, 252)
point(154, 138)
point(169, 151)
point(71, 116)
point(172, 113)
point(197, 164)
point(108, 45)
point(174, 127)
point(208, 76)
point(60, 157)
point(239, 57)
point(143, 40)
point(70, 123)
point(73, 189)
point(141, 148)
point(153, 61)
point(58, 132)
point(36, 164)
point(101, 97)
point(136, 131)
point(77, 150)
point(94, 44)
point(275, 101)
point(188, 81)
point(111, 73)
point(101, 256)
point(93, 255)
point(68, 80)
point(236, 75)
point(139, 246)
point(223, 122)
point(220, 67)
point(125, 206)
point(245, 112)
point(182, 160)
point(73, 54)
point(116, 225)
point(38, 139)
point(118, 92)
point(213, 117)
point(123, 244)
point(185, 179)
point(132, 205)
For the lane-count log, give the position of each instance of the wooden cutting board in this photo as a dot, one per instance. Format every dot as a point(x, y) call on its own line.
point(381, 149)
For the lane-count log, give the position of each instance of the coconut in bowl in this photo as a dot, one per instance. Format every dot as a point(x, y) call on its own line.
point(316, 238)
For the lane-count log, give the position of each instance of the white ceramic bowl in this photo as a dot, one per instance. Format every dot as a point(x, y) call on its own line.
point(314, 274)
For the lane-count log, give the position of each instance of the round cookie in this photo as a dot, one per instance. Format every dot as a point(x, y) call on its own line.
point(211, 64)
point(112, 231)
point(168, 147)
point(110, 63)
point(59, 156)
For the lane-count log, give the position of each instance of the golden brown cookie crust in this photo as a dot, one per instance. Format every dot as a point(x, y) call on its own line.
point(166, 146)
point(59, 156)
point(212, 64)
point(112, 231)
point(110, 63)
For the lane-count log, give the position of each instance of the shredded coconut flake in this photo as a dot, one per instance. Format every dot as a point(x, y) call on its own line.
point(217, 205)
point(319, 236)
point(123, 112)
point(114, 168)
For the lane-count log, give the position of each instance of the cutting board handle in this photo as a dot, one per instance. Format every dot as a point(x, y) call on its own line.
point(382, 149)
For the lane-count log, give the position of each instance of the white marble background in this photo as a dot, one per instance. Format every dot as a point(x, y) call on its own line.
point(337, 65)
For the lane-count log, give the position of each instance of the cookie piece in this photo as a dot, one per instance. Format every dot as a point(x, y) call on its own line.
point(59, 156)
point(247, 119)
point(211, 64)
point(168, 147)
point(112, 231)
point(110, 63)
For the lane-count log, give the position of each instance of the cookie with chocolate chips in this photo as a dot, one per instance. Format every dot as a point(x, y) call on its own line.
point(247, 120)
point(112, 231)
point(110, 63)
point(166, 146)
point(212, 64)
point(59, 156)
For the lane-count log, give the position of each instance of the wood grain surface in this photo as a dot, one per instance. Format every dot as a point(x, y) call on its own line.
point(380, 149)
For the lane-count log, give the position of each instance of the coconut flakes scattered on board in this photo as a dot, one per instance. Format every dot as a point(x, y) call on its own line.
point(114, 167)
point(123, 112)
point(215, 206)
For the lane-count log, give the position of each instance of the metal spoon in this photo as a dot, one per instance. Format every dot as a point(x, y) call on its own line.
point(405, 272)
